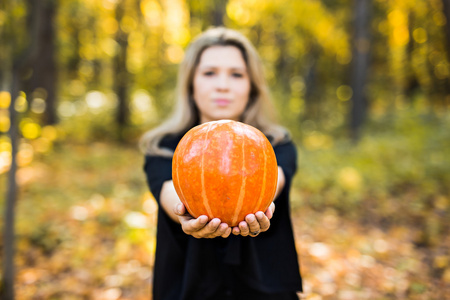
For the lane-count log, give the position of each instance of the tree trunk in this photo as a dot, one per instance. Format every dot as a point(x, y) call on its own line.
point(361, 46)
point(412, 83)
point(19, 63)
point(282, 65)
point(311, 96)
point(121, 75)
point(11, 197)
point(218, 12)
point(45, 69)
point(446, 11)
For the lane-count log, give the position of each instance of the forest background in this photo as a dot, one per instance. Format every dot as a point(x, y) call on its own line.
point(363, 86)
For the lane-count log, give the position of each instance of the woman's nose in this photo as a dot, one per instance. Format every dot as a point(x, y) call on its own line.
point(222, 82)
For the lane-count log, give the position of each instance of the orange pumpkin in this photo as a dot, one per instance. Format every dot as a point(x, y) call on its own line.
point(225, 169)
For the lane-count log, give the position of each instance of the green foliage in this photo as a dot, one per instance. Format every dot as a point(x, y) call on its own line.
point(397, 174)
point(410, 151)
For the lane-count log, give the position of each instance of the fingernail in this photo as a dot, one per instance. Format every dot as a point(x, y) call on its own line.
point(251, 218)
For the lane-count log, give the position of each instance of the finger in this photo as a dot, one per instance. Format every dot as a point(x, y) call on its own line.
point(244, 229)
point(253, 223)
point(227, 233)
point(221, 230)
point(236, 230)
point(210, 229)
point(263, 220)
point(190, 225)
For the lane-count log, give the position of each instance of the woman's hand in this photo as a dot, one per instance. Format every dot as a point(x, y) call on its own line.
point(200, 227)
point(256, 223)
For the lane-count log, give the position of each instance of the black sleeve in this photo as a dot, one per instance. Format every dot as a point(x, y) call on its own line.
point(158, 170)
point(287, 159)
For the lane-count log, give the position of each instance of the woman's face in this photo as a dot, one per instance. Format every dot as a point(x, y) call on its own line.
point(221, 84)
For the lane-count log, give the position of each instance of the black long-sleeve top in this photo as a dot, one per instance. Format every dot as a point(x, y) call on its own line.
point(190, 268)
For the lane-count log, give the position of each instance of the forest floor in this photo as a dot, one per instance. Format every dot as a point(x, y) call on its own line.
point(86, 230)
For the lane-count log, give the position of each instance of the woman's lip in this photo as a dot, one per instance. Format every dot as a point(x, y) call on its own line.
point(222, 102)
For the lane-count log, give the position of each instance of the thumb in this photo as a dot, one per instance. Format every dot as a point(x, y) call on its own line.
point(270, 211)
point(179, 209)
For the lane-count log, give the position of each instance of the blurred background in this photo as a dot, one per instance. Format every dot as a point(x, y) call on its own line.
point(363, 86)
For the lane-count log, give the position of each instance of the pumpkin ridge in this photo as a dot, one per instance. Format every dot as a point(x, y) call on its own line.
point(178, 180)
point(263, 189)
point(204, 196)
point(240, 201)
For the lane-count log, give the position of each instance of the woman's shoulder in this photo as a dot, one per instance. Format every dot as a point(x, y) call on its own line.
point(284, 142)
point(170, 141)
point(285, 148)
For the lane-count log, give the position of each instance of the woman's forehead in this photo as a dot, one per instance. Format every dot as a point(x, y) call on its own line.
point(222, 56)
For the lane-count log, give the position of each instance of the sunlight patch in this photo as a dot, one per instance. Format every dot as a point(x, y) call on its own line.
point(136, 219)
point(79, 213)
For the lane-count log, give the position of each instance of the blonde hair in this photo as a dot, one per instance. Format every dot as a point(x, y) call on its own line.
point(186, 115)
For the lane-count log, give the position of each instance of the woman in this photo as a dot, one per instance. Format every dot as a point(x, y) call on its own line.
point(221, 77)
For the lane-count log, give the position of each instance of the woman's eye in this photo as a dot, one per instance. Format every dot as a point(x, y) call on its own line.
point(208, 73)
point(237, 75)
